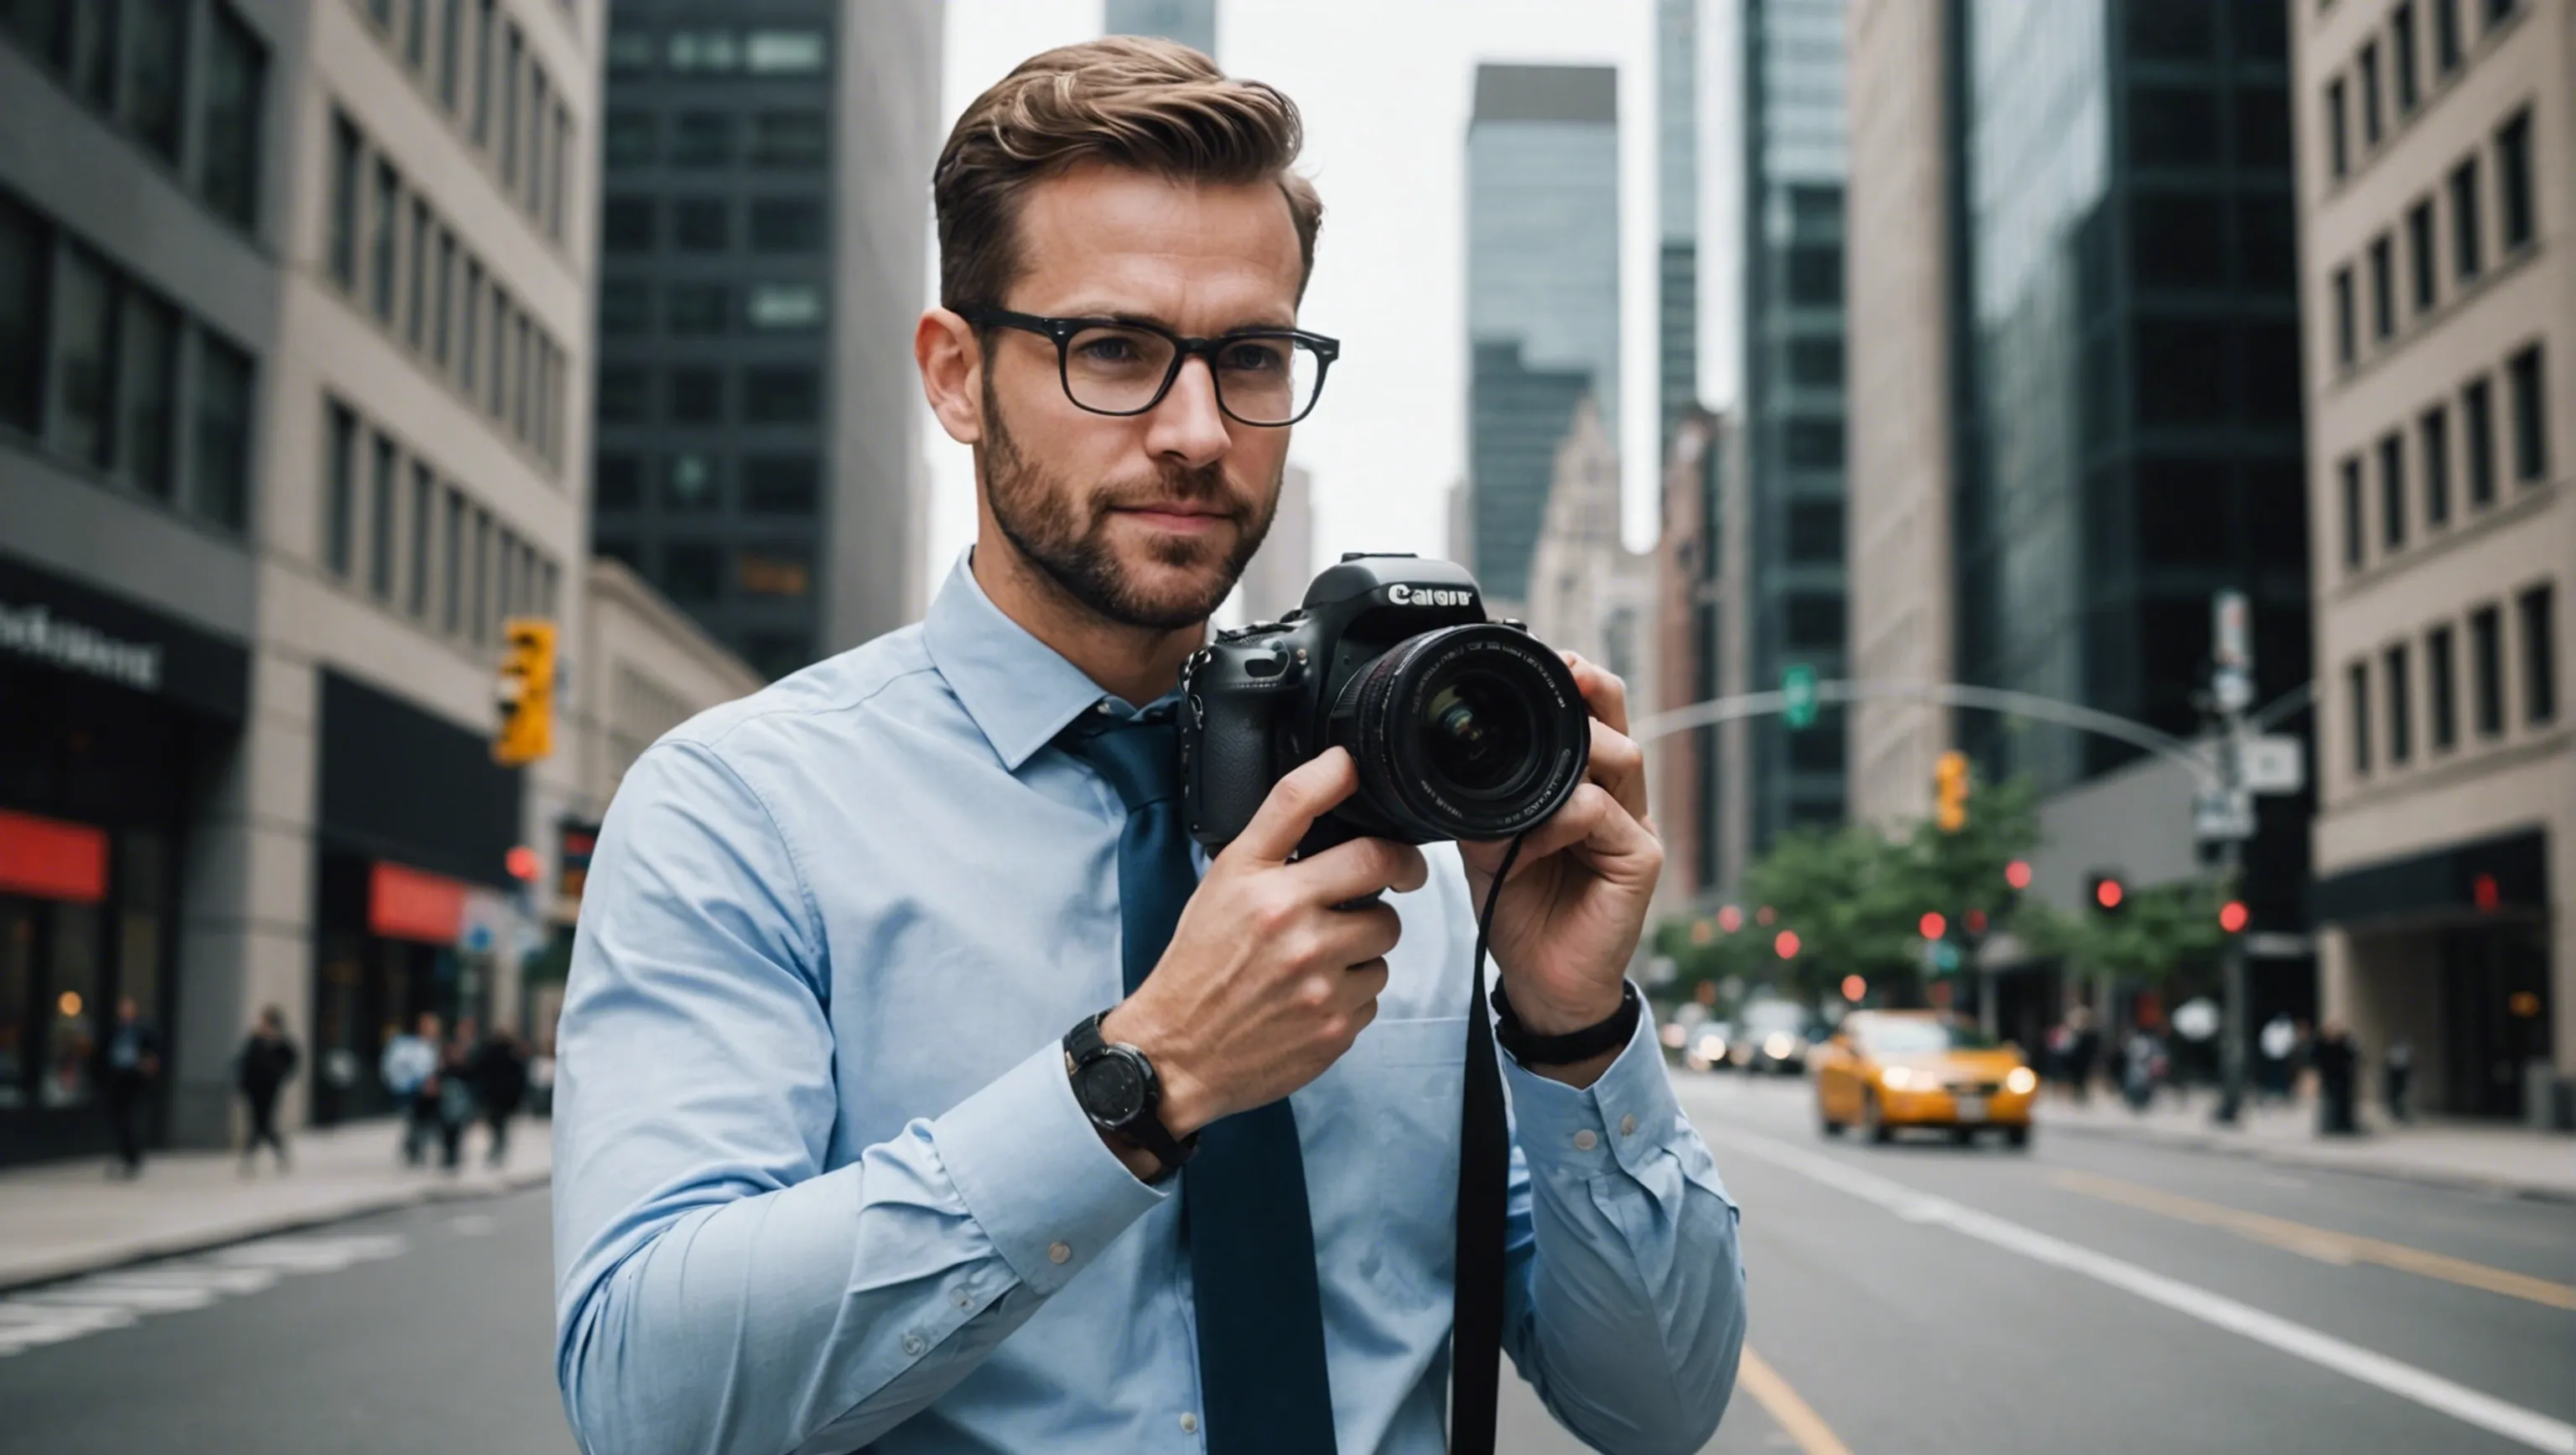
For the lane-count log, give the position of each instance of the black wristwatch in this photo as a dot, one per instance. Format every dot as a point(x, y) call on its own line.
point(1536, 1050)
point(1116, 1087)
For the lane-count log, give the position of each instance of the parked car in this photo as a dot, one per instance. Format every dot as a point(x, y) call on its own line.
point(1772, 1035)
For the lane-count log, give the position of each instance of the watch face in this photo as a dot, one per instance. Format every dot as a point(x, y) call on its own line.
point(1112, 1089)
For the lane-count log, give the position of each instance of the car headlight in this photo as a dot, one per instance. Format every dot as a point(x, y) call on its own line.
point(2021, 1081)
point(1673, 1035)
point(1898, 1078)
point(1779, 1045)
point(1712, 1046)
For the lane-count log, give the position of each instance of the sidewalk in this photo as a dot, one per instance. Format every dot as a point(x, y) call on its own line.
point(62, 1218)
point(2484, 1156)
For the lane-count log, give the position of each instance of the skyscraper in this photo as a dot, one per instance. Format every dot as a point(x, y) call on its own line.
point(1792, 418)
point(1542, 292)
point(759, 457)
point(1191, 22)
point(1276, 579)
point(1676, 213)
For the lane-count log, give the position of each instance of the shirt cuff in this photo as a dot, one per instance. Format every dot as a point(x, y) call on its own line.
point(1035, 1175)
point(1626, 1118)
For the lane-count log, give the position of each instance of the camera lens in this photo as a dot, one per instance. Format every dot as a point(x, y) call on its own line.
point(1475, 733)
point(1466, 732)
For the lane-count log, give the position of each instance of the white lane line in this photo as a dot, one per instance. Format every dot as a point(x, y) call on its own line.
point(2512, 1421)
point(114, 1299)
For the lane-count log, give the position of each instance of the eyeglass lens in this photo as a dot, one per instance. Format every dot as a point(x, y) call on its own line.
point(1258, 380)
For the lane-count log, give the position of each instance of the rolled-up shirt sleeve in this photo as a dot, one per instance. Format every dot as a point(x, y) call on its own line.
point(1625, 1301)
point(718, 1289)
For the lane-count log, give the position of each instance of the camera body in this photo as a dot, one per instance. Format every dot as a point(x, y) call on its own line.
point(1462, 727)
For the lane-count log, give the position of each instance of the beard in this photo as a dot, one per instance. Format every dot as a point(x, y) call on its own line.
point(1066, 534)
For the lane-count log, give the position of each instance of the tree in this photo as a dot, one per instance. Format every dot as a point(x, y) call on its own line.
point(2157, 931)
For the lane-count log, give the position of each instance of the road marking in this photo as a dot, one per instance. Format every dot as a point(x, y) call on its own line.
point(2512, 1421)
point(1755, 1376)
point(116, 1298)
point(473, 1225)
point(2323, 1244)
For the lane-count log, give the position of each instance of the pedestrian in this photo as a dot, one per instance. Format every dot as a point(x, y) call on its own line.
point(410, 1070)
point(2338, 1064)
point(498, 1071)
point(2280, 1039)
point(2302, 1060)
point(904, 1002)
point(2397, 1070)
point(2141, 1067)
point(265, 1062)
point(131, 1062)
point(454, 1097)
point(2083, 1048)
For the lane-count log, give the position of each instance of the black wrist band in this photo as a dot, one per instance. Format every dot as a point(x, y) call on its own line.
point(1536, 1050)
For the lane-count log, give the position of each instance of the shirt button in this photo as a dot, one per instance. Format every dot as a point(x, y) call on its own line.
point(1189, 1424)
point(1058, 1252)
point(912, 1345)
point(1627, 1126)
point(962, 1299)
point(1584, 1141)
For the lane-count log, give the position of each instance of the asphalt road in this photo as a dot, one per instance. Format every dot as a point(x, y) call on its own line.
point(2088, 1294)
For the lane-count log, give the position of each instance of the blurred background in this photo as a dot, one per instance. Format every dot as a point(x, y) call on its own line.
point(2079, 489)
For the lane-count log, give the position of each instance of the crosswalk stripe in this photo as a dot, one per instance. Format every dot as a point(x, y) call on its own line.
point(110, 1300)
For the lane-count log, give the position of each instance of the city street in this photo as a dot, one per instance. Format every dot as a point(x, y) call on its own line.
point(2092, 1293)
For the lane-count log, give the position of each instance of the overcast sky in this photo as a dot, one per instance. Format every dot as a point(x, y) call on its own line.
point(1385, 87)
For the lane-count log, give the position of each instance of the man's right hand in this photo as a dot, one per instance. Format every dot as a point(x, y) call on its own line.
point(1265, 983)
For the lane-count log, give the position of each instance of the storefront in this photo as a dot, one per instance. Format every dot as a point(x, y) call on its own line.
point(113, 720)
point(413, 902)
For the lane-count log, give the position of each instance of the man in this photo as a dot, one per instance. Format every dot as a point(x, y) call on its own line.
point(133, 1062)
point(267, 1059)
point(498, 1071)
point(2338, 1063)
point(823, 1179)
point(410, 1070)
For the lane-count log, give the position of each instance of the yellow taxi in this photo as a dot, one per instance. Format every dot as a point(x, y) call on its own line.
point(1885, 1069)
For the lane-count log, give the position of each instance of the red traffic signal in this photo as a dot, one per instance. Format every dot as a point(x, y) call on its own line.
point(2017, 874)
point(2108, 891)
point(1785, 944)
point(2232, 916)
point(1975, 920)
point(521, 861)
point(1933, 925)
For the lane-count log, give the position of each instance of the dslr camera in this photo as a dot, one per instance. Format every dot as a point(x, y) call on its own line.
point(1462, 727)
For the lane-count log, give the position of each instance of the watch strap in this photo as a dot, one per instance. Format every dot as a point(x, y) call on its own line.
point(1531, 1049)
point(1083, 1045)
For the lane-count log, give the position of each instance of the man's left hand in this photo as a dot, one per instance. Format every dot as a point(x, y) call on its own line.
point(1575, 905)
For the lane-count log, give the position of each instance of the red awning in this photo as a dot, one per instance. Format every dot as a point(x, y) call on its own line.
point(51, 859)
point(414, 904)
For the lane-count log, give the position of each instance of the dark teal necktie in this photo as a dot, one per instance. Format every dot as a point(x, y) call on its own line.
point(1243, 1197)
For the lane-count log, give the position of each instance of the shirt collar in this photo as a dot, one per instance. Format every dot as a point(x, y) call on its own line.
point(1020, 691)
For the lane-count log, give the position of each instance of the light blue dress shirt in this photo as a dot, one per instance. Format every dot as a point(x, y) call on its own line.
point(821, 1183)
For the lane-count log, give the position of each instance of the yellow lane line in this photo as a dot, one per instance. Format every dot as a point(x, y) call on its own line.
point(1755, 1376)
point(2322, 1244)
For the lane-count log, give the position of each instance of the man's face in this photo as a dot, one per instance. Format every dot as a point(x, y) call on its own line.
point(1146, 520)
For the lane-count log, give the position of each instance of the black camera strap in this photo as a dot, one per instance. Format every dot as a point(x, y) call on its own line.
point(1484, 1186)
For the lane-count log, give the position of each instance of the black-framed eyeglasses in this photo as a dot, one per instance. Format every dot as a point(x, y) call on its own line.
point(1265, 377)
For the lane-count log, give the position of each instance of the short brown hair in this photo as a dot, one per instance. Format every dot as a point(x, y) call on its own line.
point(1129, 101)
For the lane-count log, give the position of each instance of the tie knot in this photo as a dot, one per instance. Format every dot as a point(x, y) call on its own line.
point(1140, 756)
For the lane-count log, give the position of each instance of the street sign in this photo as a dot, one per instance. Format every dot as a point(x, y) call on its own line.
point(2218, 815)
point(2273, 763)
point(1798, 695)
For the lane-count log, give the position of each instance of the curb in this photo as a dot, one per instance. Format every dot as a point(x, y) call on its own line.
point(2292, 1156)
point(98, 1259)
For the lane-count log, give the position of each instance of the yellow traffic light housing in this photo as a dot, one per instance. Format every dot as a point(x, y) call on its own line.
point(525, 695)
point(1950, 785)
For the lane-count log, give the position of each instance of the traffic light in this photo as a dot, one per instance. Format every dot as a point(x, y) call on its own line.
point(2017, 874)
point(525, 694)
point(2232, 916)
point(1933, 925)
point(2107, 893)
point(1950, 782)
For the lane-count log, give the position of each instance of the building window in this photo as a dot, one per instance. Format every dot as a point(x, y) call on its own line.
point(469, 325)
point(625, 307)
point(2353, 532)
point(2401, 716)
point(155, 43)
point(444, 308)
point(2446, 36)
point(2401, 57)
point(484, 23)
point(2419, 248)
point(701, 224)
point(2383, 288)
point(626, 225)
point(778, 570)
point(786, 225)
point(2433, 430)
point(451, 594)
point(344, 202)
point(148, 357)
point(790, 140)
point(785, 53)
point(695, 309)
point(84, 357)
point(2441, 694)
point(2367, 66)
point(630, 51)
point(388, 222)
point(692, 571)
point(1814, 621)
point(219, 463)
point(451, 47)
point(2500, 11)
point(702, 50)
point(229, 117)
point(1816, 363)
point(2357, 702)
point(1815, 444)
point(622, 393)
point(2539, 656)
point(339, 489)
point(26, 248)
point(418, 309)
point(781, 484)
point(782, 394)
point(2346, 344)
point(2513, 182)
point(2477, 423)
point(479, 614)
point(2467, 259)
point(1816, 531)
point(2528, 398)
point(630, 137)
point(563, 159)
point(380, 520)
point(514, 59)
point(2338, 149)
point(784, 307)
point(697, 396)
point(424, 504)
point(1815, 275)
point(2486, 670)
point(540, 106)
point(2392, 491)
point(702, 139)
point(618, 483)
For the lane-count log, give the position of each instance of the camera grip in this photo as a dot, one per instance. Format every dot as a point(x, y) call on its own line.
point(1228, 774)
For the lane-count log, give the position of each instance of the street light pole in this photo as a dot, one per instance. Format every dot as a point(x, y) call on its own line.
point(2232, 685)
